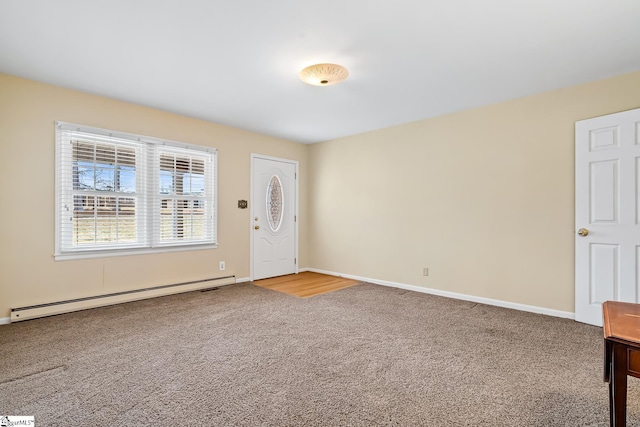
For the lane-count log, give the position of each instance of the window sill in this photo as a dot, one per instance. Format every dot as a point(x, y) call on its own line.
point(128, 252)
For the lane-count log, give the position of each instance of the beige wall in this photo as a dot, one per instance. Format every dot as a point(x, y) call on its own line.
point(484, 198)
point(28, 273)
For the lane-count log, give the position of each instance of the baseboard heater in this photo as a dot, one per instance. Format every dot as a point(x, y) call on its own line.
point(59, 307)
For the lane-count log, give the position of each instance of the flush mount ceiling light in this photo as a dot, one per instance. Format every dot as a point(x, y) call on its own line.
point(323, 74)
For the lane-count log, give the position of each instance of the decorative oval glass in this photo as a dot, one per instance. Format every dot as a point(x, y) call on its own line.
point(275, 203)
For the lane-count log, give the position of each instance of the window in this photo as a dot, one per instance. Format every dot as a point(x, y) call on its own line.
point(275, 203)
point(118, 193)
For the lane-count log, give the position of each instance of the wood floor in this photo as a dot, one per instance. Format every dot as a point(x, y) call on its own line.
point(305, 284)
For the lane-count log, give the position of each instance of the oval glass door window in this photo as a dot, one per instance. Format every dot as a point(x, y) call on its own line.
point(275, 203)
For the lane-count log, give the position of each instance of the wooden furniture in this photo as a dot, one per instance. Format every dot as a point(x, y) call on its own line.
point(621, 354)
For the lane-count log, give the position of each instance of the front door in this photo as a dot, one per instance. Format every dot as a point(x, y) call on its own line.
point(273, 217)
point(607, 241)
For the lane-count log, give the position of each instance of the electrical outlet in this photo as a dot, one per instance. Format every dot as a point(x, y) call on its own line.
point(425, 271)
point(222, 265)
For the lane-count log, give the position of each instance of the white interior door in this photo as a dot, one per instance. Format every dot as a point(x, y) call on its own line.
point(607, 212)
point(273, 217)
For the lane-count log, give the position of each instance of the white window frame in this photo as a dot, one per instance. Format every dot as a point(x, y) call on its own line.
point(147, 193)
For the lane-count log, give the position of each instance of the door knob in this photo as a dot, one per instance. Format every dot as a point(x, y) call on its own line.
point(583, 232)
point(255, 219)
point(257, 227)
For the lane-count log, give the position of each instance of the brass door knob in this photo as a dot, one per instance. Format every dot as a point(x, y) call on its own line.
point(257, 227)
point(583, 232)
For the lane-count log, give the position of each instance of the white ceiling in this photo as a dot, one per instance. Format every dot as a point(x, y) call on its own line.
point(236, 62)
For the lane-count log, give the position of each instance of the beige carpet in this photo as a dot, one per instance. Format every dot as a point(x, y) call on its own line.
point(362, 356)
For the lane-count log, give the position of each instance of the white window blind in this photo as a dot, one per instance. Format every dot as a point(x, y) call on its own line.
point(183, 197)
point(118, 192)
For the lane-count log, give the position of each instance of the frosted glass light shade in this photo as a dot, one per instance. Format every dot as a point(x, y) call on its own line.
point(323, 74)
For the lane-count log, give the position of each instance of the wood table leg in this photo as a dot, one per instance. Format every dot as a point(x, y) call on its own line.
point(618, 387)
point(612, 421)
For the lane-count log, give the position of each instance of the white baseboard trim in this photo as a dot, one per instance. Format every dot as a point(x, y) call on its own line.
point(302, 270)
point(5, 320)
point(455, 295)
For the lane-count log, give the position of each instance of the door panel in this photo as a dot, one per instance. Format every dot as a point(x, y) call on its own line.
point(274, 207)
point(604, 192)
point(603, 138)
point(603, 281)
point(608, 206)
